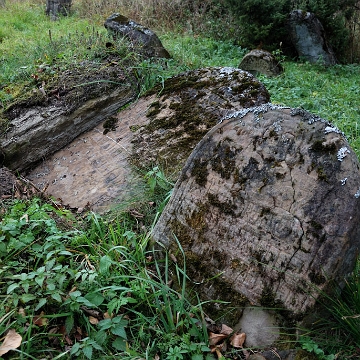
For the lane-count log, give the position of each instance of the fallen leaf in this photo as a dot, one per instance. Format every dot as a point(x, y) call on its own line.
point(107, 315)
point(219, 354)
point(237, 340)
point(22, 311)
point(226, 330)
point(39, 320)
point(93, 320)
point(12, 341)
point(216, 338)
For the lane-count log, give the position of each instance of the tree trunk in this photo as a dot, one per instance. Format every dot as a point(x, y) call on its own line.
point(54, 8)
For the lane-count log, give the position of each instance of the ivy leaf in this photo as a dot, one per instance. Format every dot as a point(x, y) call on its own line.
point(11, 288)
point(119, 327)
point(119, 344)
point(27, 297)
point(105, 263)
point(95, 298)
point(41, 303)
point(87, 350)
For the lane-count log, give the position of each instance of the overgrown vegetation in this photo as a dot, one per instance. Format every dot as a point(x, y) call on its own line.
point(93, 287)
point(263, 23)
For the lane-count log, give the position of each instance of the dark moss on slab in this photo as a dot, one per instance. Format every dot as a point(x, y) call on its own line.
point(225, 207)
point(316, 277)
point(187, 106)
point(200, 172)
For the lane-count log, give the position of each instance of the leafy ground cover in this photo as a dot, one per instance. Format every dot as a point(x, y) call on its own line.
point(92, 287)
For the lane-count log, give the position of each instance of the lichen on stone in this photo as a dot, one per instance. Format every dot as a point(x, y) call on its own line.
point(256, 110)
point(342, 153)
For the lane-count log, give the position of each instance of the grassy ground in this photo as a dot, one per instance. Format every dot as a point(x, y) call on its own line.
point(91, 287)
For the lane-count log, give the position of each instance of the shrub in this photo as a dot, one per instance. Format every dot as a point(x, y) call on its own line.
point(263, 22)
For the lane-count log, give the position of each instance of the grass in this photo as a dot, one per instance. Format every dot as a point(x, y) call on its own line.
point(93, 287)
point(331, 93)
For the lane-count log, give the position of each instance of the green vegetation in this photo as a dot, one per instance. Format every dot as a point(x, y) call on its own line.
point(264, 22)
point(93, 287)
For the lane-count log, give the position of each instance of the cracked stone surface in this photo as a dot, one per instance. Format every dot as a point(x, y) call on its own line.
point(100, 166)
point(269, 203)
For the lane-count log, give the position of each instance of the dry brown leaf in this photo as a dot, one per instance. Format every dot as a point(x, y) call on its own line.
point(12, 341)
point(219, 354)
point(107, 315)
point(226, 330)
point(22, 311)
point(39, 320)
point(237, 340)
point(93, 320)
point(216, 338)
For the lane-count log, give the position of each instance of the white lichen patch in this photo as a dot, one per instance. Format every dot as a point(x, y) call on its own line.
point(343, 181)
point(256, 110)
point(333, 129)
point(277, 126)
point(357, 194)
point(342, 153)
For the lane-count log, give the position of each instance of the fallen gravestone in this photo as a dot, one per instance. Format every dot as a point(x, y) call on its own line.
point(308, 36)
point(266, 210)
point(161, 128)
point(261, 61)
point(74, 102)
point(186, 108)
point(142, 40)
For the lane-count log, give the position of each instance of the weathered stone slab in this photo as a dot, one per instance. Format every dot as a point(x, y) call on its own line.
point(162, 128)
point(38, 130)
point(261, 61)
point(269, 202)
point(7, 181)
point(142, 40)
point(187, 107)
point(308, 36)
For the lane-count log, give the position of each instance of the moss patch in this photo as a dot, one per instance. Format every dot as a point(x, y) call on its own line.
point(70, 88)
point(193, 102)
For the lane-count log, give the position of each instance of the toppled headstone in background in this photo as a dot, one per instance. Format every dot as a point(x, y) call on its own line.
point(143, 40)
point(267, 207)
point(186, 108)
point(161, 128)
point(308, 36)
point(261, 61)
point(55, 8)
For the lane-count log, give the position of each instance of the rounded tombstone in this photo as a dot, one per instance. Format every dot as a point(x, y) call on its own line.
point(266, 210)
point(261, 61)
